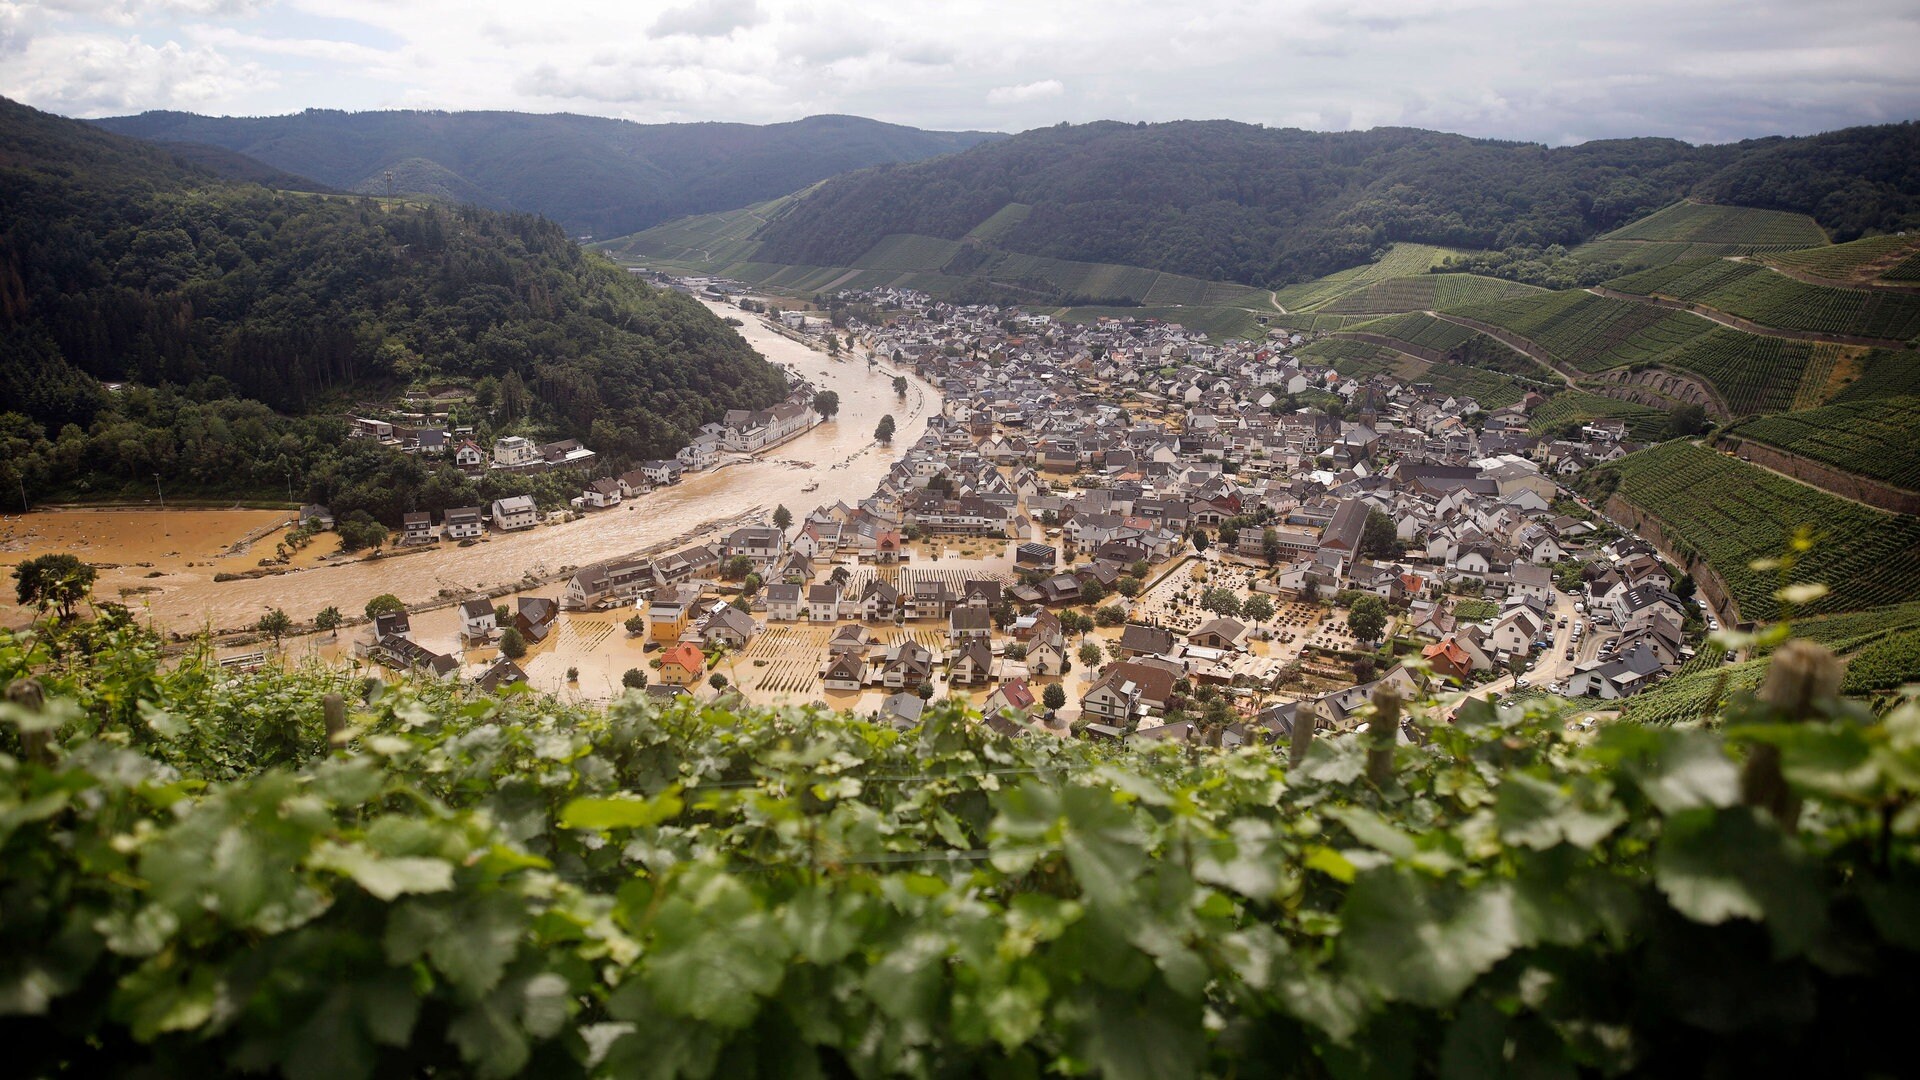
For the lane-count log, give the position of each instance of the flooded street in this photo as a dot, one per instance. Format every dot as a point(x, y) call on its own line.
point(186, 597)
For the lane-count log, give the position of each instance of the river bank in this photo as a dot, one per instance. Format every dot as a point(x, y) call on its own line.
point(188, 547)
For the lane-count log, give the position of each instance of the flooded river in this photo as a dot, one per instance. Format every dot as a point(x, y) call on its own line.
point(187, 598)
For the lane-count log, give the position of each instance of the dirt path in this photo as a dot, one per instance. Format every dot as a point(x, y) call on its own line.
point(1512, 341)
point(1735, 322)
point(1752, 444)
point(1865, 284)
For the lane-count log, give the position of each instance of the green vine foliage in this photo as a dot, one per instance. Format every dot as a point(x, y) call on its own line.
point(192, 880)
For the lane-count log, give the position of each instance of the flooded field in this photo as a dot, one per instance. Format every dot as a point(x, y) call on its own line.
point(841, 456)
point(136, 550)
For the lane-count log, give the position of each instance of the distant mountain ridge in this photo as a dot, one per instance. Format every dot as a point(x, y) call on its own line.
point(592, 174)
point(1238, 202)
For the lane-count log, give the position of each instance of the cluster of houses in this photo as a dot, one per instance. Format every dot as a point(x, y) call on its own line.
point(748, 431)
point(1100, 447)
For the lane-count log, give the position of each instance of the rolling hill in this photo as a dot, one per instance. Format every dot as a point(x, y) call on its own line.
point(591, 174)
point(1269, 207)
point(243, 320)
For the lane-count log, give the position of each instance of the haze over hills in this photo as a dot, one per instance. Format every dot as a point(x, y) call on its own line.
point(1237, 202)
point(246, 320)
point(592, 174)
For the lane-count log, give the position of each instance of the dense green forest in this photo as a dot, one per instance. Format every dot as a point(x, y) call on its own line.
point(200, 878)
point(592, 174)
point(236, 313)
point(1229, 201)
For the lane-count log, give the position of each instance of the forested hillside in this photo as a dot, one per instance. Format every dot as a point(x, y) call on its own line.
point(201, 879)
point(1230, 201)
point(592, 174)
point(118, 263)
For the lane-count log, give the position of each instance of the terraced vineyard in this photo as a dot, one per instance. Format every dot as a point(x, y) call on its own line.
point(1694, 696)
point(1312, 323)
point(1002, 221)
point(1887, 664)
point(1856, 261)
point(1351, 357)
point(1401, 260)
point(1633, 255)
point(1732, 513)
point(1701, 223)
point(907, 252)
point(1426, 292)
point(1593, 333)
point(1770, 298)
point(1644, 423)
point(1419, 329)
point(1907, 270)
point(1874, 438)
point(1753, 374)
point(1847, 631)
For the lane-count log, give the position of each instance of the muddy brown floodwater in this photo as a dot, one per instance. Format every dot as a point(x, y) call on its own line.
point(840, 454)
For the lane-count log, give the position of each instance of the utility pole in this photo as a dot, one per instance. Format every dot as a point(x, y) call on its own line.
point(157, 491)
point(24, 508)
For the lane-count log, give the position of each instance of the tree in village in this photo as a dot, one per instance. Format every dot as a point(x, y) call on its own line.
point(384, 604)
point(53, 581)
point(513, 646)
point(884, 432)
point(1221, 601)
point(329, 620)
point(1257, 608)
point(1199, 538)
point(636, 624)
point(634, 679)
point(1367, 618)
point(1090, 654)
point(275, 625)
point(1379, 537)
point(1054, 696)
point(900, 387)
point(782, 517)
point(826, 403)
point(717, 680)
point(925, 691)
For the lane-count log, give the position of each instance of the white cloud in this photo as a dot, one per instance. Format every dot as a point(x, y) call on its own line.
point(1711, 70)
point(708, 18)
point(1033, 91)
point(97, 76)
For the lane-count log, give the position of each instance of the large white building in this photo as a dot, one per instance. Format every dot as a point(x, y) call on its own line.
point(515, 512)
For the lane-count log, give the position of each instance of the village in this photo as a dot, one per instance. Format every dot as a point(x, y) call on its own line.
point(1120, 531)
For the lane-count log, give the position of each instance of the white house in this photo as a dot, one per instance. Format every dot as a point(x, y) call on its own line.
point(514, 450)
point(463, 523)
point(783, 602)
point(478, 619)
point(515, 512)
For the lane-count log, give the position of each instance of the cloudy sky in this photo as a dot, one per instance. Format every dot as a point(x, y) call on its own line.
point(1546, 70)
